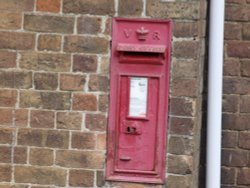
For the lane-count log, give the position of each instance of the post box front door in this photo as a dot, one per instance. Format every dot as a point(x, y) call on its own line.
point(140, 59)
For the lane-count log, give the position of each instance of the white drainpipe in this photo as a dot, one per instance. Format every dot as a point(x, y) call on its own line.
point(215, 76)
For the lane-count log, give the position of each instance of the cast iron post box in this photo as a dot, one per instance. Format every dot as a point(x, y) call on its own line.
point(140, 59)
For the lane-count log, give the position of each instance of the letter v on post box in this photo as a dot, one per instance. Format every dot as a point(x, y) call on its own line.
point(138, 109)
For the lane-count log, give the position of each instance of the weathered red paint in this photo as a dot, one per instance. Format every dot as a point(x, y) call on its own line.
point(137, 144)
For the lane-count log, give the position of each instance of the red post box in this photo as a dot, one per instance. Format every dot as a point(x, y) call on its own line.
point(139, 84)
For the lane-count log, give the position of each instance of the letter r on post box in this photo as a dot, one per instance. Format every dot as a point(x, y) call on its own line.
point(139, 84)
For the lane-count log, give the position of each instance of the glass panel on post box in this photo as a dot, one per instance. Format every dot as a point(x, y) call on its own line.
point(138, 97)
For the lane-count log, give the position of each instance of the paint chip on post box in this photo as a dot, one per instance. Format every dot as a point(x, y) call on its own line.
point(139, 82)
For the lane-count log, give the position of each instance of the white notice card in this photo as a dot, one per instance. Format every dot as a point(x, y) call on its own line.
point(138, 97)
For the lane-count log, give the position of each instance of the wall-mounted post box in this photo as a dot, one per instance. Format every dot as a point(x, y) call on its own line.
point(140, 59)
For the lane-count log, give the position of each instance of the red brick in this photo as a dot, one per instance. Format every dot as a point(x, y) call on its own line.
point(186, 49)
point(47, 23)
point(84, 44)
point(48, 5)
point(5, 154)
point(100, 180)
point(182, 107)
point(96, 122)
point(159, 9)
point(41, 157)
point(180, 164)
point(45, 100)
point(98, 83)
point(104, 67)
point(49, 42)
point(14, 79)
point(234, 158)
point(230, 103)
point(228, 175)
point(43, 138)
point(181, 126)
point(202, 24)
point(6, 135)
point(185, 68)
point(179, 87)
point(101, 141)
point(17, 5)
point(57, 139)
point(84, 63)
point(243, 176)
point(237, 13)
point(103, 103)
point(83, 141)
point(5, 173)
point(231, 67)
point(244, 140)
point(108, 26)
point(20, 155)
point(238, 49)
point(81, 178)
point(30, 137)
point(55, 62)
point(236, 1)
point(21, 117)
point(42, 119)
point(69, 120)
point(185, 145)
point(245, 104)
point(232, 31)
point(104, 7)
point(8, 98)
point(204, 12)
point(6, 117)
point(245, 68)
point(10, 20)
point(130, 8)
point(236, 122)
point(229, 139)
point(17, 40)
point(178, 181)
point(40, 175)
point(236, 86)
point(30, 99)
point(84, 102)
point(185, 29)
point(7, 59)
point(72, 82)
point(246, 32)
point(89, 25)
point(80, 159)
point(45, 81)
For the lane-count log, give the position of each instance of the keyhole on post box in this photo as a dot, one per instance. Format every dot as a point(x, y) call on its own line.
point(131, 130)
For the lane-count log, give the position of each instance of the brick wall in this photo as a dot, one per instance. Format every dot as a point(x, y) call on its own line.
point(236, 98)
point(54, 61)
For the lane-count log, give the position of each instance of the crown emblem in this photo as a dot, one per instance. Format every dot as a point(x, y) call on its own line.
point(142, 33)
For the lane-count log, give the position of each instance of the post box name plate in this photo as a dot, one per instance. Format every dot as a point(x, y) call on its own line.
point(138, 97)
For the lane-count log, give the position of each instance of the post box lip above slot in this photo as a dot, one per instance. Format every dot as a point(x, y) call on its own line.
point(122, 47)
